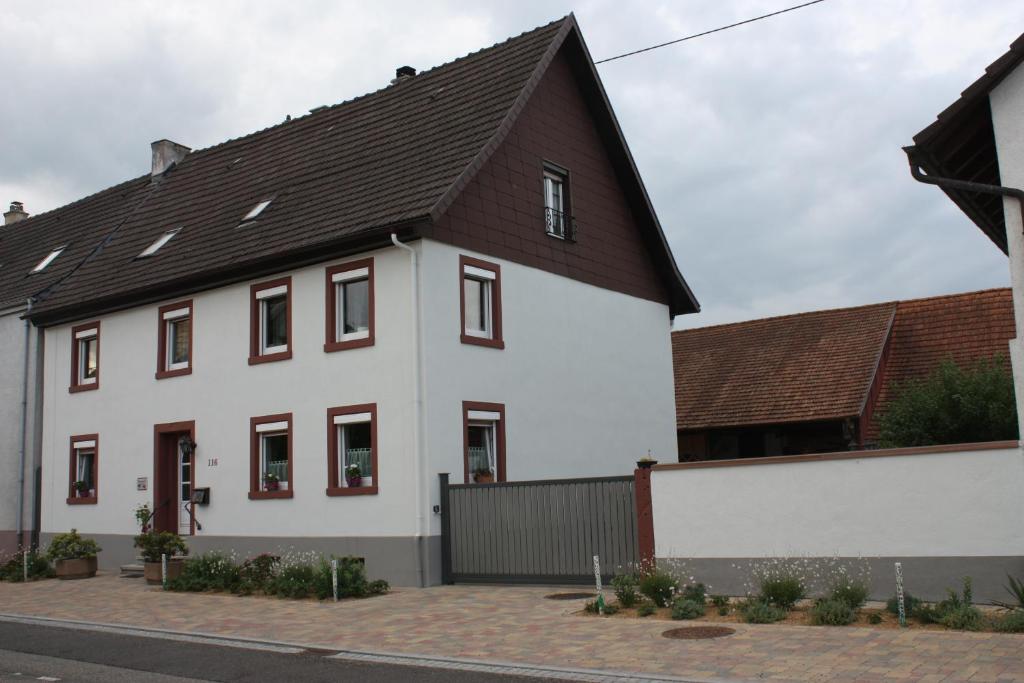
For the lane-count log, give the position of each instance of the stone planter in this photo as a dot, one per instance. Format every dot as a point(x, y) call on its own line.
point(151, 570)
point(79, 568)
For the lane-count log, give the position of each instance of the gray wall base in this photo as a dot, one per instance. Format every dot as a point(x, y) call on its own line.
point(923, 577)
point(392, 558)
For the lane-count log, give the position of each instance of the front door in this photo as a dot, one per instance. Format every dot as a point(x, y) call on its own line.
point(174, 478)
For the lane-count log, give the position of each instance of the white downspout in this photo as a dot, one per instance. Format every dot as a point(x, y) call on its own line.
point(422, 533)
point(24, 427)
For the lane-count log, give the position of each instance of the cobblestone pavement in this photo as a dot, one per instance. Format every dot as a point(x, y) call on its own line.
point(517, 625)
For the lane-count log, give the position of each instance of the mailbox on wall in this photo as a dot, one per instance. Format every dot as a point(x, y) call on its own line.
point(201, 496)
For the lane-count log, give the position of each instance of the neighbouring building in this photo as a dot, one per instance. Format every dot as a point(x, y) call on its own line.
point(459, 273)
point(817, 382)
point(974, 152)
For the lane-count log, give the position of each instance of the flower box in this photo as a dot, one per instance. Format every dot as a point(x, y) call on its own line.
point(79, 568)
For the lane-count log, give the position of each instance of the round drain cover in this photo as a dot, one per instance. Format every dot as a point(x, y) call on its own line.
point(569, 596)
point(699, 632)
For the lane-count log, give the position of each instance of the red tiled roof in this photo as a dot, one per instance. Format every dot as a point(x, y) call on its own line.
point(821, 365)
point(963, 327)
point(794, 368)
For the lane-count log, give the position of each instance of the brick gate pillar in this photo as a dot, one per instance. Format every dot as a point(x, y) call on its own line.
point(644, 515)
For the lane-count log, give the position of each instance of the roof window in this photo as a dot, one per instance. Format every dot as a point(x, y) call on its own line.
point(161, 241)
point(49, 259)
point(257, 210)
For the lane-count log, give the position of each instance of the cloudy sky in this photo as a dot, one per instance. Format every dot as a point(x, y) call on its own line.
point(771, 151)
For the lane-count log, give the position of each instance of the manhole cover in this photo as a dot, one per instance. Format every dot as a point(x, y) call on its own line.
point(569, 596)
point(699, 632)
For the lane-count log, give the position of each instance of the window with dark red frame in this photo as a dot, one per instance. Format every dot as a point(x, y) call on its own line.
point(270, 321)
point(174, 346)
point(483, 433)
point(349, 309)
point(85, 357)
point(83, 470)
point(480, 302)
point(270, 457)
point(352, 450)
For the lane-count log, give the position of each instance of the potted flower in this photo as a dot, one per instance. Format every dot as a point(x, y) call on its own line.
point(74, 556)
point(82, 488)
point(483, 475)
point(153, 545)
point(143, 516)
point(353, 477)
point(271, 482)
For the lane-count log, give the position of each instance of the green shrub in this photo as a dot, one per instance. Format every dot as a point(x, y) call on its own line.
point(952, 405)
point(352, 581)
point(378, 587)
point(153, 544)
point(955, 612)
point(910, 605)
point(1012, 622)
point(832, 612)
point(697, 592)
point(71, 546)
point(963, 618)
point(719, 600)
point(687, 609)
point(611, 609)
point(38, 568)
point(625, 586)
point(758, 611)
point(874, 618)
point(723, 610)
point(853, 593)
point(659, 587)
point(294, 581)
point(1016, 590)
point(646, 610)
point(782, 591)
point(209, 572)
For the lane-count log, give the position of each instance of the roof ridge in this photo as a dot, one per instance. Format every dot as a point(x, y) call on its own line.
point(327, 108)
point(35, 216)
point(953, 295)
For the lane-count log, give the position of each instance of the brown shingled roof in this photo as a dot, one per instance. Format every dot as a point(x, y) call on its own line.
point(821, 365)
point(794, 368)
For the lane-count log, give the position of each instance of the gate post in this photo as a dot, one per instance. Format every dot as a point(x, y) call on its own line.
point(446, 531)
point(644, 517)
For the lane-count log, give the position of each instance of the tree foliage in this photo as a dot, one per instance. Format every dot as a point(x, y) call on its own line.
point(952, 405)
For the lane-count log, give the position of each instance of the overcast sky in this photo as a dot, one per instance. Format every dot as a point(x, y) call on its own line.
point(771, 151)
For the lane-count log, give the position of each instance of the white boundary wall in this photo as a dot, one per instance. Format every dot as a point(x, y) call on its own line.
point(961, 508)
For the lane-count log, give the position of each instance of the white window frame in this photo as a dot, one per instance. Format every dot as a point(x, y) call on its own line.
point(41, 266)
point(170, 319)
point(340, 422)
point(79, 448)
point(339, 280)
point(484, 278)
point(488, 421)
point(550, 179)
point(262, 296)
point(263, 431)
point(82, 338)
point(160, 242)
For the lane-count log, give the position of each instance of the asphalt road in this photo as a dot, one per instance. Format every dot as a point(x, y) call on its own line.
point(30, 652)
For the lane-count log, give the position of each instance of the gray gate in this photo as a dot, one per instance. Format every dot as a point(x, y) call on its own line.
point(537, 531)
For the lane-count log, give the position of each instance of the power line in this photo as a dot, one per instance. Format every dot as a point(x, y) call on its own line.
point(714, 30)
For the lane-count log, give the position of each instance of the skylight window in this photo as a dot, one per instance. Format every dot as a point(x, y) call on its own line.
point(161, 241)
point(257, 210)
point(49, 259)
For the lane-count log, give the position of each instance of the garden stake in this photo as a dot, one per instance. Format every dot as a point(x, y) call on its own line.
point(597, 581)
point(899, 594)
point(24, 565)
point(163, 570)
point(334, 577)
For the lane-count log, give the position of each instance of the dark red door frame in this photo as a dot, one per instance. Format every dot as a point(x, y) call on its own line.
point(166, 472)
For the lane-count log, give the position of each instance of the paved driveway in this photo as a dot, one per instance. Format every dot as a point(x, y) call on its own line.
point(517, 624)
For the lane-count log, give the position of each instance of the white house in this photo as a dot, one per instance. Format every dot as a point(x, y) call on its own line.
point(458, 273)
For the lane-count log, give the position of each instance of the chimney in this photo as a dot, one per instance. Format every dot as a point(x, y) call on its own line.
point(16, 213)
point(166, 154)
point(403, 73)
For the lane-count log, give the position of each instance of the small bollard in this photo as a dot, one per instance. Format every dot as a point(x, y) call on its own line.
point(334, 577)
point(163, 570)
point(24, 565)
point(899, 594)
point(597, 581)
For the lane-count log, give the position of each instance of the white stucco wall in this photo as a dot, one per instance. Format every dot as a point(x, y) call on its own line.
point(957, 504)
point(1007, 103)
point(221, 394)
point(585, 375)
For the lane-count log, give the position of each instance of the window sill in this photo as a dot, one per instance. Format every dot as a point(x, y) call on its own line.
point(270, 357)
point(332, 346)
point(482, 341)
point(263, 495)
point(91, 500)
point(164, 374)
point(75, 388)
point(351, 490)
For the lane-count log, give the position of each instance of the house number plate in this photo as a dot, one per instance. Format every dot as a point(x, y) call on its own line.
point(211, 462)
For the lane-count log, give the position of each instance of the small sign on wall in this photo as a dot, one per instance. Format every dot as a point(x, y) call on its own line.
point(142, 483)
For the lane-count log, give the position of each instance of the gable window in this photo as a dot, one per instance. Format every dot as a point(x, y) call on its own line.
point(49, 259)
point(270, 457)
point(174, 347)
point(352, 450)
point(349, 306)
point(83, 471)
point(85, 357)
point(480, 300)
point(483, 427)
point(270, 321)
point(557, 218)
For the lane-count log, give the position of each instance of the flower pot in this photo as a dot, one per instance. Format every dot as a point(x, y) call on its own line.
point(354, 482)
point(83, 494)
point(271, 485)
point(151, 570)
point(78, 568)
point(483, 478)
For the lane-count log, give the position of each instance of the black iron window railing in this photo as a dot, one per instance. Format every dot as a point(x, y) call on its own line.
point(560, 224)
